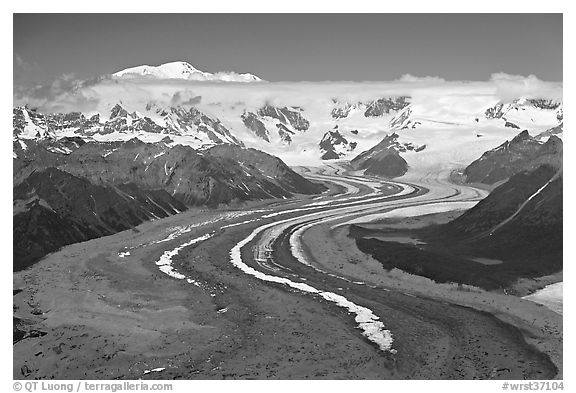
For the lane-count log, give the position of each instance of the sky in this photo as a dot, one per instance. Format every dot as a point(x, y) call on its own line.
point(291, 47)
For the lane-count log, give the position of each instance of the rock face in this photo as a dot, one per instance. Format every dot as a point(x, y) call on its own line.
point(284, 133)
point(334, 145)
point(377, 108)
point(511, 125)
point(543, 103)
point(383, 159)
point(386, 105)
point(254, 124)
point(403, 120)
point(67, 190)
point(268, 120)
point(286, 116)
point(521, 153)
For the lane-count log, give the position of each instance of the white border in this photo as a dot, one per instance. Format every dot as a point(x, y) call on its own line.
point(228, 6)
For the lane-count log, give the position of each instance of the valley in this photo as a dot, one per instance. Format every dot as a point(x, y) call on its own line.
point(275, 290)
point(171, 223)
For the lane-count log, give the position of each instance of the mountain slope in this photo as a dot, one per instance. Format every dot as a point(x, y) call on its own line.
point(66, 190)
point(384, 159)
point(515, 232)
point(334, 145)
point(256, 163)
point(520, 223)
point(53, 208)
point(269, 121)
point(524, 196)
point(207, 178)
point(521, 153)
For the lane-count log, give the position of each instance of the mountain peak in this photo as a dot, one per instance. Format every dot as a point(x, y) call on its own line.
point(524, 135)
point(118, 111)
point(181, 70)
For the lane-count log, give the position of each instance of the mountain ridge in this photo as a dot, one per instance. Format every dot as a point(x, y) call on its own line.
point(68, 190)
point(523, 152)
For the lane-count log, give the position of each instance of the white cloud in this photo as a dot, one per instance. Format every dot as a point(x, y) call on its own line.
point(185, 98)
point(509, 87)
point(415, 79)
point(67, 93)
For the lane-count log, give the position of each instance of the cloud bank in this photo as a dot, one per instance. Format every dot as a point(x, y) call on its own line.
point(66, 93)
point(509, 87)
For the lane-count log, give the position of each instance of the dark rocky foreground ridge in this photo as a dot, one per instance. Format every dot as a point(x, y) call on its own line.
point(53, 208)
point(521, 218)
point(66, 190)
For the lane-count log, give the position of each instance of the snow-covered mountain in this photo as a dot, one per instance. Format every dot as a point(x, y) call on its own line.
point(296, 122)
point(524, 113)
point(275, 125)
point(384, 159)
point(375, 108)
point(181, 70)
point(334, 145)
point(175, 125)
